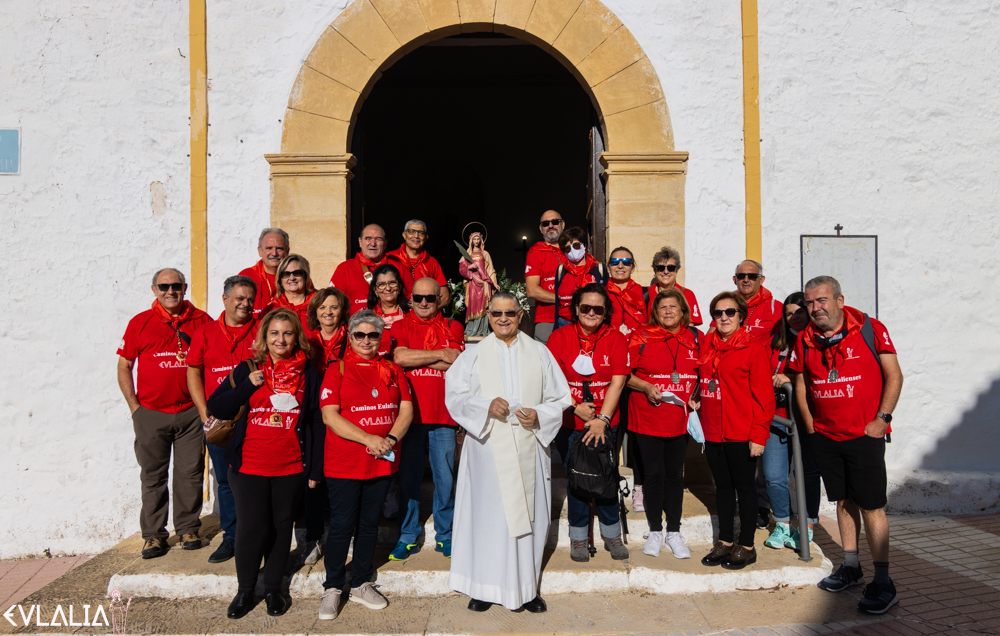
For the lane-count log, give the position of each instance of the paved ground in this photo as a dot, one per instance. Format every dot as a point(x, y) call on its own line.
point(946, 568)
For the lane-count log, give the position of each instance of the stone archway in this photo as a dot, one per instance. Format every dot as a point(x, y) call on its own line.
point(309, 178)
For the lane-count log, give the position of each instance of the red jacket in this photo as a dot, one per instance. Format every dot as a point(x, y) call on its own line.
point(742, 406)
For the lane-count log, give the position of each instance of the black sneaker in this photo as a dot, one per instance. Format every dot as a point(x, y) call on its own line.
point(878, 598)
point(223, 553)
point(843, 578)
point(763, 517)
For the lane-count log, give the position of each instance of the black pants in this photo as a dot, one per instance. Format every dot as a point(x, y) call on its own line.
point(734, 472)
point(315, 511)
point(663, 490)
point(354, 504)
point(265, 512)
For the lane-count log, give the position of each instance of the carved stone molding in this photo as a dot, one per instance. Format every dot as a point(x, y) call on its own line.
point(303, 165)
point(660, 163)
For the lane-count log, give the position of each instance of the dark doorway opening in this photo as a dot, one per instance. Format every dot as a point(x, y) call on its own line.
point(482, 128)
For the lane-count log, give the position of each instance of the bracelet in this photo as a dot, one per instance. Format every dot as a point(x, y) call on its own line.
point(393, 438)
point(604, 418)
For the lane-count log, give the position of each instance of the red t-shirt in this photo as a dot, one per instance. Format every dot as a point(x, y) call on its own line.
point(218, 348)
point(161, 374)
point(610, 359)
point(376, 415)
point(387, 344)
point(428, 384)
point(621, 314)
point(349, 277)
point(742, 406)
point(427, 268)
point(266, 287)
point(846, 405)
point(271, 447)
point(301, 310)
point(326, 352)
point(692, 302)
point(655, 365)
point(570, 283)
point(762, 319)
point(542, 261)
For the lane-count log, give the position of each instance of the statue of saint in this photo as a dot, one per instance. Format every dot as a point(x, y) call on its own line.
point(476, 267)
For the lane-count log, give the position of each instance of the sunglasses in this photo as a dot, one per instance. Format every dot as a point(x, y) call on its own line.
point(366, 335)
point(419, 298)
point(597, 310)
point(550, 222)
point(170, 287)
point(297, 273)
point(717, 313)
point(416, 233)
point(669, 268)
point(627, 262)
point(509, 313)
point(385, 286)
point(750, 276)
point(575, 245)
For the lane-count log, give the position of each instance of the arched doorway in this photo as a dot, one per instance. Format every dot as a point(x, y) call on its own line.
point(644, 176)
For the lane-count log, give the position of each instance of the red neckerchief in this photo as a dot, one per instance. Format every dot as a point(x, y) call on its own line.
point(332, 346)
point(589, 263)
point(853, 319)
point(284, 376)
point(268, 279)
point(383, 366)
point(588, 342)
point(716, 346)
point(282, 301)
point(646, 334)
point(631, 300)
point(369, 263)
point(548, 247)
point(437, 330)
point(412, 264)
point(388, 318)
point(234, 335)
point(170, 319)
point(762, 296)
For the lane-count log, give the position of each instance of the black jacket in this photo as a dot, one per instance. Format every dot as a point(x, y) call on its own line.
point(226, 402)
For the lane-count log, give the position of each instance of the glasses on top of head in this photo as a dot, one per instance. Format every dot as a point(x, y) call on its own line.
point(717, 313)
point(297, 273)
point(366, 335)
point(164, 287)
point(670, 268)
point(419, 298)
point(550, 222)
point(597, 310)
point(627, 262)
point(575, 245)
point(743, 275)
point(392, 284)
point(510, 313)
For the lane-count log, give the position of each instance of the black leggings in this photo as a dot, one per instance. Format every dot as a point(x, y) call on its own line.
point(663, 490)
point(355, 505)
point(734, 472)
point(265, 511)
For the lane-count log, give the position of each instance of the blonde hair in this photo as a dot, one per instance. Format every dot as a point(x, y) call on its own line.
point(303, 263)
point(260, 342)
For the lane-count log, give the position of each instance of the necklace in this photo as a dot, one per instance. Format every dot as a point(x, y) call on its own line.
point(362, 376)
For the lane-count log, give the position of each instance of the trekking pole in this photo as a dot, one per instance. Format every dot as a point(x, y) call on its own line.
point(797, 473)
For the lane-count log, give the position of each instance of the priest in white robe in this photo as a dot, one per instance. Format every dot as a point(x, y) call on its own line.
point(509, 394)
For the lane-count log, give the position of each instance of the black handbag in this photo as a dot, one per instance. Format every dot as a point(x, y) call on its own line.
point(593, 472)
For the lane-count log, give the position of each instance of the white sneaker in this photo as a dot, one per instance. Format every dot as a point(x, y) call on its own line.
point(676, 544)
point(368, 595)
point(315, 554)
point(329, 605)
point(653, 544)
point(637, 502)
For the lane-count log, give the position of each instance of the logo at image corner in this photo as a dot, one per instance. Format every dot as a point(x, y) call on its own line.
point(115, 616)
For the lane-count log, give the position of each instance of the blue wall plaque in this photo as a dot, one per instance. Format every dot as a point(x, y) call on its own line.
point(10, 151)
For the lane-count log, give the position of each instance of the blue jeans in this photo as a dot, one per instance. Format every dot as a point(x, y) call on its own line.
point(776, 460)
point(578, 510)
point(438, 442)
point(226, 502)
point(561, 322)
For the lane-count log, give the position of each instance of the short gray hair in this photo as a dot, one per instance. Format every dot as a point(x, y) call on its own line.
point(169, 269)
point(760, 268)
point(414, 222)
point(366, 316)
point(272, 230)
point(504, 295)
point(665, 254)
point(819, 281)
point(238, 281)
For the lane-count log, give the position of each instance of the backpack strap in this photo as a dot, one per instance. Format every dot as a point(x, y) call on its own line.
point(645, 297)
point(868, 335)
point(696, 334)
point(602, 274)
point(343, 348)
point(341, 363)
point(560, 274)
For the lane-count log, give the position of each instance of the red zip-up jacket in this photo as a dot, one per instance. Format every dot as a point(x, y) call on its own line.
point(742, 406)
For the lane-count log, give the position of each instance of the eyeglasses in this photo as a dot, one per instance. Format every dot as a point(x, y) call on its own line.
point(550, 222)
point(597, 310)
point(669, 268)
point(366, 335)
point(575, 245)
point(415, 233)
point(627, 262)
point(750, 276)
point(419, 298)
point(385, 286)
point(377, 239)
point(717, 313)
point(297, 273)
point(163, 287)
point(509, 313)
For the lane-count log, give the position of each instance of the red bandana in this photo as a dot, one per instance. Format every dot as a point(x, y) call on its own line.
point(717, 346)
point(588, 342)
point(383, 366)
point(174, 321)
point(436, 334)
point(234, 335)
point(369, 263)
point(548, 247)
point(331, 347)
point(284, 376)
point(763, 296)
point(282, 301)
point(589, 263)
point(267, 278)
point(412, 264)
point(853, 319)
point(648, 335)
point(631, 299)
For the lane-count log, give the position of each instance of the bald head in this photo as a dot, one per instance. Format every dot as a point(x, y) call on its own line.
point(426, 298)
point(551, 225)
point(372, 242)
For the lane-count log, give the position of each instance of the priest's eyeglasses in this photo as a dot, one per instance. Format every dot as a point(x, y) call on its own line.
point(366, 335)
point(509, 313)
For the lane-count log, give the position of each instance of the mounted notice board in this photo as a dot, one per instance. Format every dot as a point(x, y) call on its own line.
point(852, 260)
point(10, 151)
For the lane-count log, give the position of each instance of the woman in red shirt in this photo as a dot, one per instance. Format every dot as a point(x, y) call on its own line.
point(387, 298)
point(367, 407)
point(629, 307)
point(666, 264)
point(579, 269)
point(736, 408)
point(295, 286)
point(664, 358)
point(594, 359)
point(327, 322)
point(276, 444)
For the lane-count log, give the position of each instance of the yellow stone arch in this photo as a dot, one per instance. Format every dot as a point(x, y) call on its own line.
point(309, 178)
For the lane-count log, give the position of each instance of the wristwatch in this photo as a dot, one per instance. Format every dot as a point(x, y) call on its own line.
point(887, 417)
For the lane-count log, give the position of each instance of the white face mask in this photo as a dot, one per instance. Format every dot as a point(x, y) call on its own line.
point(576, 254)
point(584, 365)
point(284, 401)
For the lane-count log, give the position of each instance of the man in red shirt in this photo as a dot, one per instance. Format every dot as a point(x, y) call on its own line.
point(763, 309)
point(427, 345)
point(412, 257)
point(272, 246)
point(543, 259)
point(847, 381)
point(354, 276)
point(216, 348)
point(163, 415)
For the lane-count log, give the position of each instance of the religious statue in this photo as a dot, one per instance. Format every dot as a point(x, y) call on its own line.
point(476, 267)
